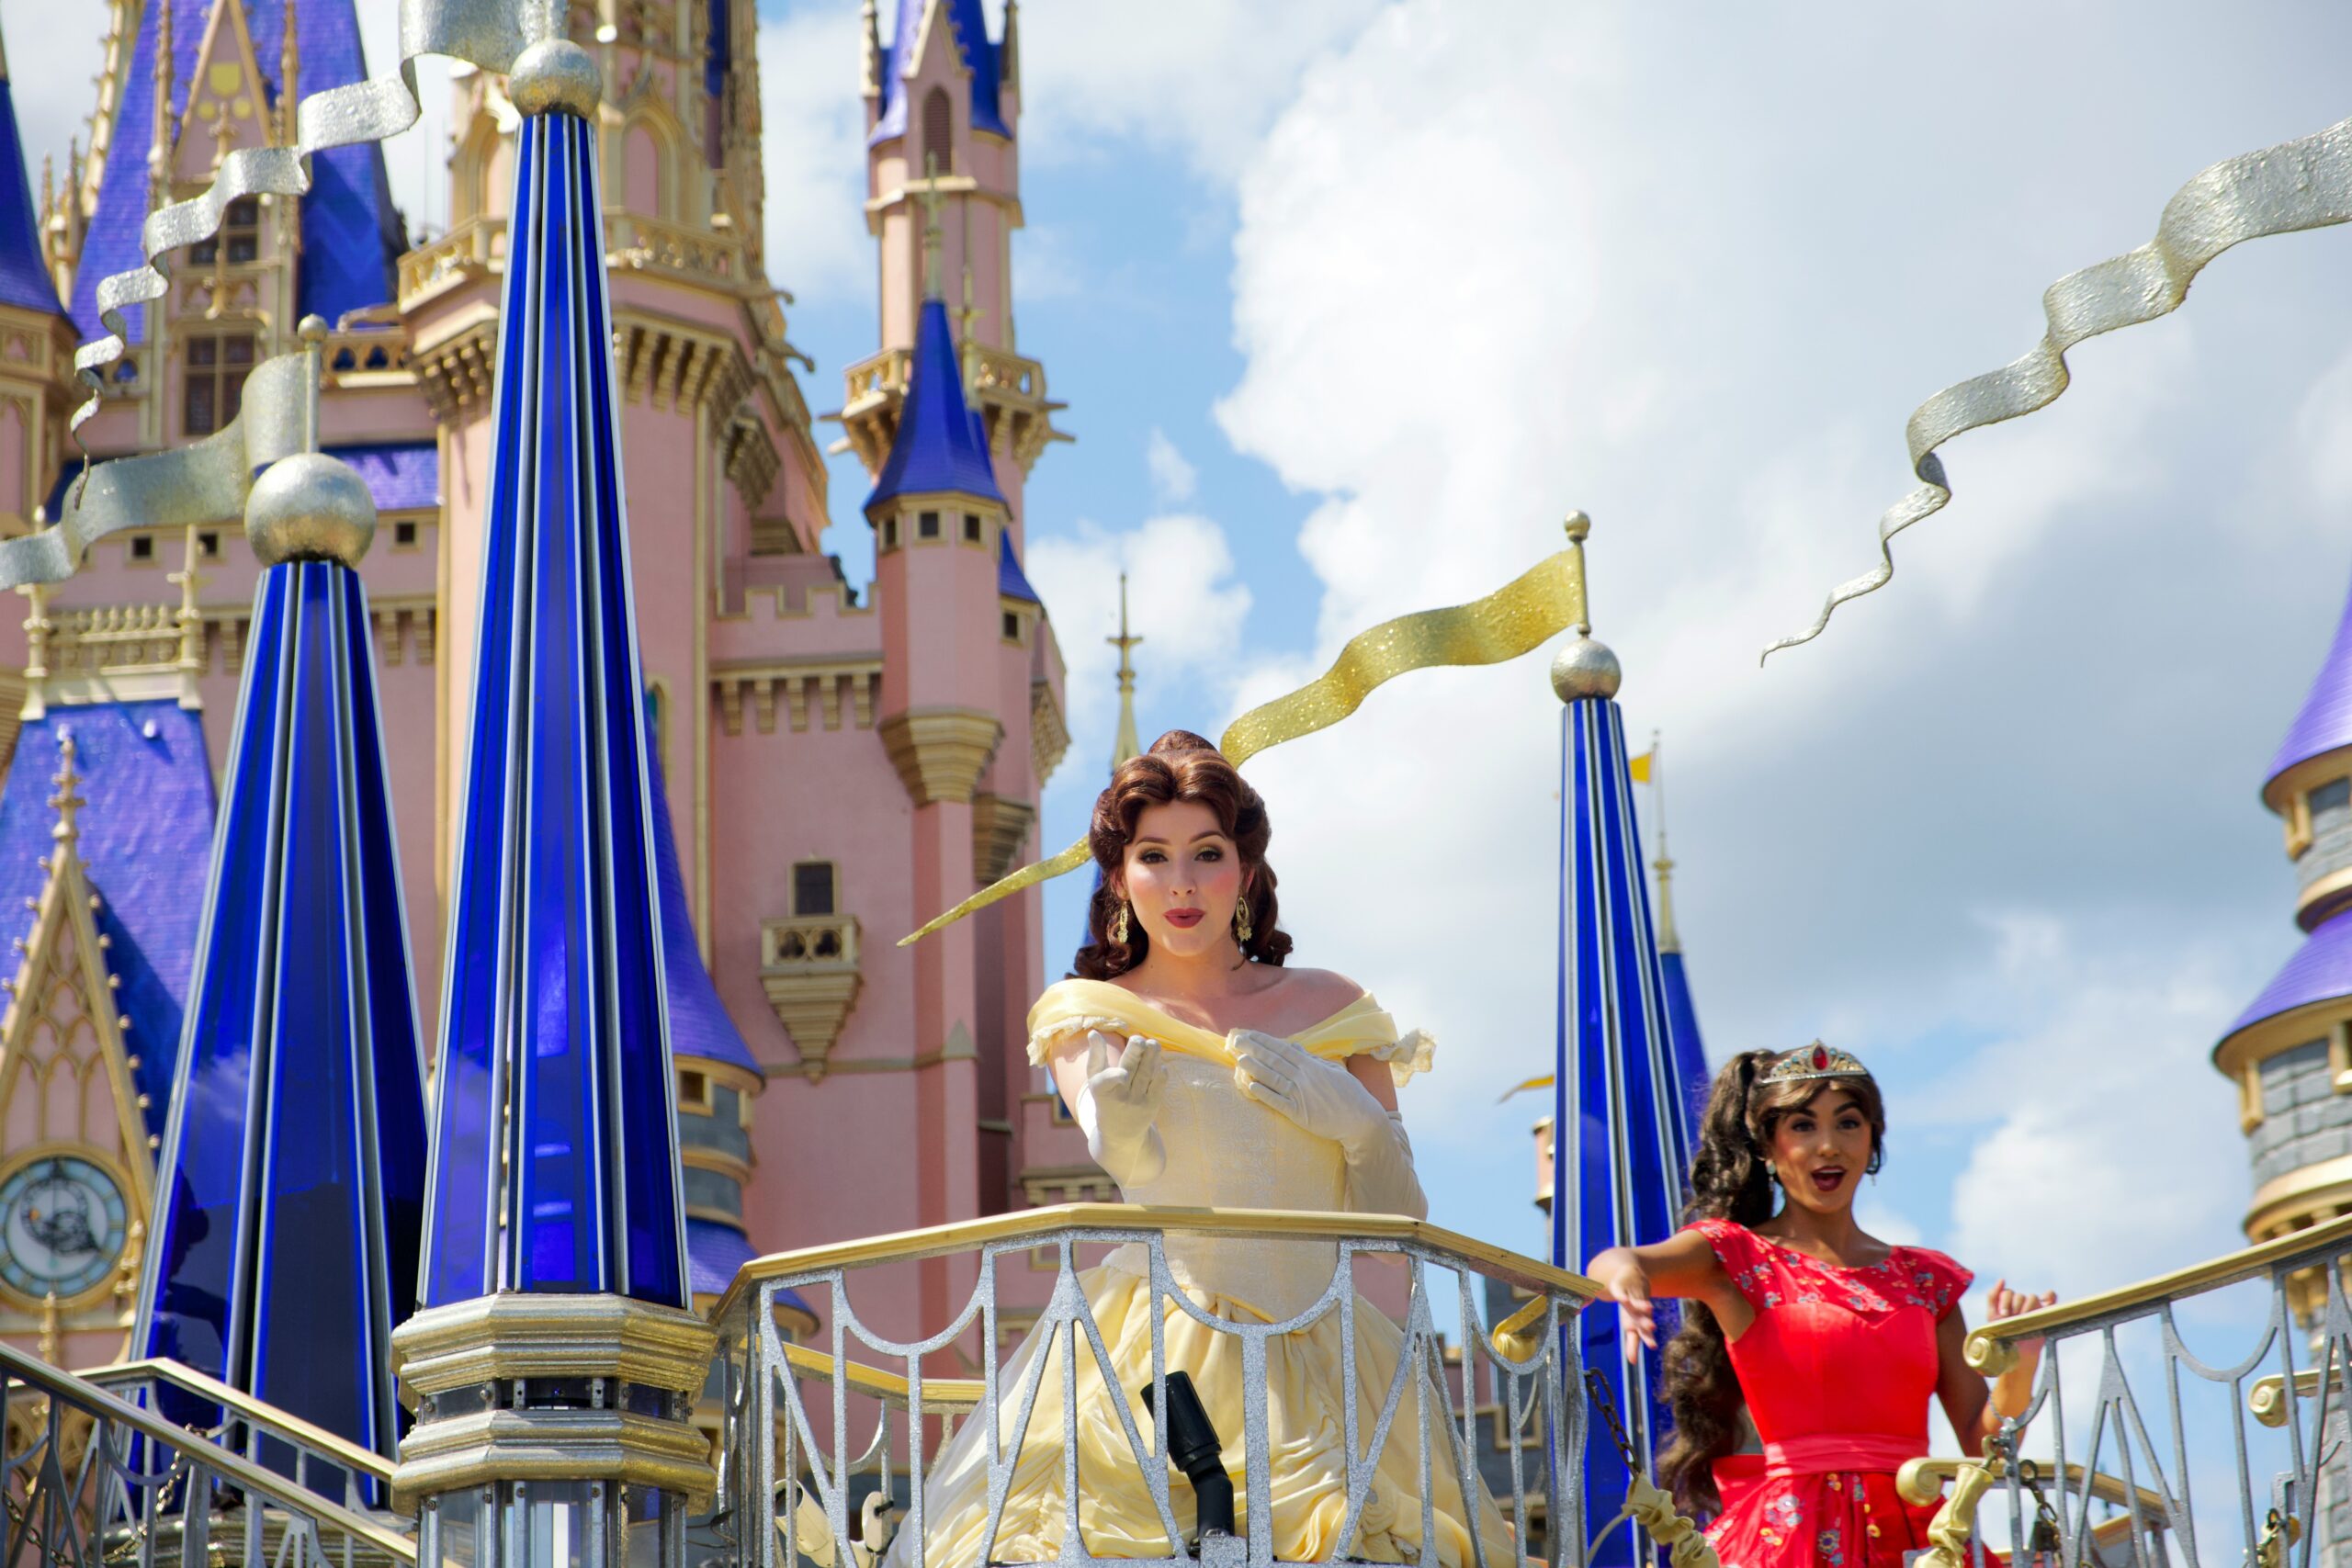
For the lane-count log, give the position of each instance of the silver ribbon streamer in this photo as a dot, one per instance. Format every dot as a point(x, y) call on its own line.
point(2295, 186)
point(208, 480)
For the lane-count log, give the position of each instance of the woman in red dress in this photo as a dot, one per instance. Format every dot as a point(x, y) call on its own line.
point(1831, 1340)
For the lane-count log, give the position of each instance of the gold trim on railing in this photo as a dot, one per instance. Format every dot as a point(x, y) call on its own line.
point(940, 1397)
point(2266, 1400)
point(1272, 1225)
point(1992, 1347)
point(227, 1463)
point(342, 1451)
point(1519, 1339)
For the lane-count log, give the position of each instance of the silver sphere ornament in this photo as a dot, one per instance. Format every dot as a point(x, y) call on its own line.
point(310, 507)
point(554, 73)
point(1585, 669)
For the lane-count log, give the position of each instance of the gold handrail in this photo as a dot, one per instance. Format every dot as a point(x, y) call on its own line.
point(342, 1451)
point(938, 1241)
point(1992, 1347)
point(2267, 1398)
point(227, 1463)
point(940, 1397)
point(1921, 1482)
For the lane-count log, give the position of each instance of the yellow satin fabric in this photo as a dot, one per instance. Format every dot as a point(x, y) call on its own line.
point(1306, 1439)
point(1073, 1007)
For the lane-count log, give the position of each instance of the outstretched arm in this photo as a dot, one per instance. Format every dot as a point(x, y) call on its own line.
point(1681, 1268)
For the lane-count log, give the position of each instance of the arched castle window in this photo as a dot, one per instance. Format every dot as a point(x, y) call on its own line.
point(938, 131)
point(645, 170)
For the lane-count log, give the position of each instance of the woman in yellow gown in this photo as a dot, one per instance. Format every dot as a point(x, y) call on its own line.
point(1207, 1074)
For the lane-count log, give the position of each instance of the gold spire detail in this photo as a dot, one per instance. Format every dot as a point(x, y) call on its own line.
point(931, 232)
point(1668, 938)
point(1126, 745)
point(67, 802)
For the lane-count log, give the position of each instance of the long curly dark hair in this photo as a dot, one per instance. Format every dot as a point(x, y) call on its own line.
point(1731, 1179)
point(1180, 766)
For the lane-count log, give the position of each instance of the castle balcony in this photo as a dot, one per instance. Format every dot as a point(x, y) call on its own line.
point(833, 1443)
point(810, 968)
point(1009, 389)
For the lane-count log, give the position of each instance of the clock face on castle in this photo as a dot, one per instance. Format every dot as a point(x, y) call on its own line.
point(63, 1220)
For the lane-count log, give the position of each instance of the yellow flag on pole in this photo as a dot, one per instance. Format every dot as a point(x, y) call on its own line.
point(1640, 766)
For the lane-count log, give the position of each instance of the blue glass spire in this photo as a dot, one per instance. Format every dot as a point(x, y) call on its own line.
point(555, 1155)
point(1619, 1108)
point(940, 446)
point(291, 1184)
point(24, 276)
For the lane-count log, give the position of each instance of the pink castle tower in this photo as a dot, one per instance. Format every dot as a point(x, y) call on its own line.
point(834, 767)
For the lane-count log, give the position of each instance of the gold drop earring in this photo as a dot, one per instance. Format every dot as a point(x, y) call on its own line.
point(1119, 924)
point(1242, 930)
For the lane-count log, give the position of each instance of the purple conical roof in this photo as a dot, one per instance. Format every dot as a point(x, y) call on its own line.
point(2325, 721)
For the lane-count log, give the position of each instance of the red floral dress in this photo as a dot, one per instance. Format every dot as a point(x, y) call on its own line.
point(1838, 1369)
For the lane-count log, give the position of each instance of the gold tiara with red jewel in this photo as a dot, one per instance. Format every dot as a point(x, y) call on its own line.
point(1814, 1061)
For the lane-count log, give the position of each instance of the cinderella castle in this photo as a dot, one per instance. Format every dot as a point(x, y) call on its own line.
point(832, 765)
point(464, 1095)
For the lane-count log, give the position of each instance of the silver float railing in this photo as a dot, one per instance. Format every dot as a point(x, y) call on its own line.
point(2136, 1449)
point(87, 1477)
point(793, 1413)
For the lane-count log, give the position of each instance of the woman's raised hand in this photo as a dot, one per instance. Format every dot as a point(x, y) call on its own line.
point(1320, 1095)
point(1118, 1107)
point(2006, 1303)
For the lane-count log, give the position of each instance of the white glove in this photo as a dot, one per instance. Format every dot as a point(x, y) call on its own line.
point(1325, 1099)
point(1118, 1106)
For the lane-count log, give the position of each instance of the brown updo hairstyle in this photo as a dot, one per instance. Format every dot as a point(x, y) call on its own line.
point(1180, 766)
point(1731, 1179)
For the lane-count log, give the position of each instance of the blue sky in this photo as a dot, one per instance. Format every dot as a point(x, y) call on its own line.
point(1400, 282)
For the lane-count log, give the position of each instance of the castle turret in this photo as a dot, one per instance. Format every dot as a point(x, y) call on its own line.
point(2291, 1051)
point(36, 340)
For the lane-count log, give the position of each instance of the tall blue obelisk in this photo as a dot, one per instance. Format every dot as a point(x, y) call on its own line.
point(292, 1179)
point(555, 1337)
point(1621, 1124)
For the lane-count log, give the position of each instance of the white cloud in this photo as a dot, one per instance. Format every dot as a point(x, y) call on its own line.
point(53, 52)
point(1172, 478)
point(812, 145)
point(1183, 600)
point(1203, 78)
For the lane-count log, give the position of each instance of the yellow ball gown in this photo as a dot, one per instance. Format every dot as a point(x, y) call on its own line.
point(1224, 1151)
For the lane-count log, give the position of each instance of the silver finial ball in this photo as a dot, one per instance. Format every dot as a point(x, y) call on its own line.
point(1585, 669)
point(310, 507)
point(311, 329)
point(1579, 526)
point(554, 73)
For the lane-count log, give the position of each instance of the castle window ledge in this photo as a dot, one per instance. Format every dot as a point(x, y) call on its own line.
point(810, 968)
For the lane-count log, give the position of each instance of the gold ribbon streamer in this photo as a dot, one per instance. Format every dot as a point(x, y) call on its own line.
point(208, 481)
point(2295, 186)
point(1517, 618)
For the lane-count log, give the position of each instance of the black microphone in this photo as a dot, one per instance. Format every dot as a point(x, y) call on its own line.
point(1194, 1448)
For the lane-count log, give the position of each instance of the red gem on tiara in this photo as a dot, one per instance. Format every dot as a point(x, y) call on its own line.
point(1821, 1058)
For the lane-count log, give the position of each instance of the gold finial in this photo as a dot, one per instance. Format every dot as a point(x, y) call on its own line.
point(36, 629)
point(1126, 745)
point(52, 1331)
point(1668, 938)
point(870, 42)
point(67, 801)
point(1579, 527)
point(191, 619)
point(289, 77)
point(931, 232)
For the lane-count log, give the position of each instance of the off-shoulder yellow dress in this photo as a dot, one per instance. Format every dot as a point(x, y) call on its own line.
point(1225, 1150)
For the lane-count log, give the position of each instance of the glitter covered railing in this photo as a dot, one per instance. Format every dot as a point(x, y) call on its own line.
point(2162, 1431)
point(89, 1477)
point(803, 1423)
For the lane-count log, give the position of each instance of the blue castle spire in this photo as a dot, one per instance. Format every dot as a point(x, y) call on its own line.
point(967, 28)
point(352, 235)
point(1620, 1111)
point(940, 446)
point(24, 274)
point(291, 1184)
point(555, 1157)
